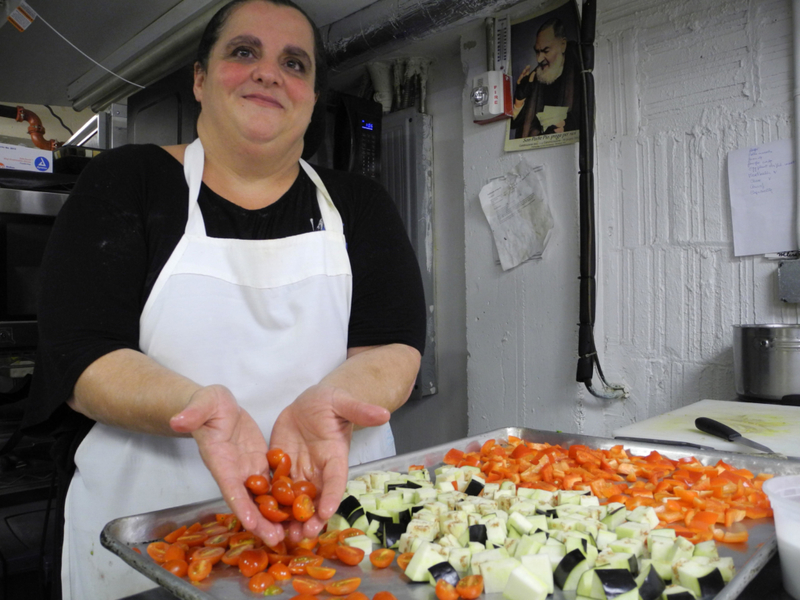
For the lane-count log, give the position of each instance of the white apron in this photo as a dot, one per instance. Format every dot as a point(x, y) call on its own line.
point(265, 318)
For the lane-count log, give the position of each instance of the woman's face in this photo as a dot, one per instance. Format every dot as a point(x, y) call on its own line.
point(259, 86)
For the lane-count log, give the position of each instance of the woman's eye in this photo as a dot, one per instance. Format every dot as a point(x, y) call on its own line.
point(296, 65)
point(242, 52)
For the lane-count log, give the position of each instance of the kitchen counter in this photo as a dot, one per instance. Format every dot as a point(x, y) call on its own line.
point(767, 584)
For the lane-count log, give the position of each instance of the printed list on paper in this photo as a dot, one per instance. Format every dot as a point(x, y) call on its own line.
point(761, 181)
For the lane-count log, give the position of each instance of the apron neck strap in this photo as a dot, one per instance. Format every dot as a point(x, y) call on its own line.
point(193, 163)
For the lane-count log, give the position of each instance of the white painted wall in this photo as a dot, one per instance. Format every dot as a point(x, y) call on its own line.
point(679, 85)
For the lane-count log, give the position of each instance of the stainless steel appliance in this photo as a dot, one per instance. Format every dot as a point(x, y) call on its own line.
point(766, 363)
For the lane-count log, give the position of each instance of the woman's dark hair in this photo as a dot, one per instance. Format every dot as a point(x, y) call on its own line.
point(217, 22)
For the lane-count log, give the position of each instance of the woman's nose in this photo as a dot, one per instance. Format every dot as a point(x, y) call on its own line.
point(267, 72)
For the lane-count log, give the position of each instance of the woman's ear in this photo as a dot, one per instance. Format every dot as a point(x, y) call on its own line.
point(199, 79)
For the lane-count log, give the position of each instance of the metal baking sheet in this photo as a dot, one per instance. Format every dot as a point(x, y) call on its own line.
point(122, 536)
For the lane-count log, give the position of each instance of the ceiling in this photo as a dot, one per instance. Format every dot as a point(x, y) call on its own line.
point(38, 65)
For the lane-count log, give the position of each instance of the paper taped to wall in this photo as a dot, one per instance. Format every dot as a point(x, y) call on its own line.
point(516, 207)
point(762, 198)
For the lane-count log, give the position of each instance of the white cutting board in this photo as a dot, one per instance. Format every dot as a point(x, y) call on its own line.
point(775, 426)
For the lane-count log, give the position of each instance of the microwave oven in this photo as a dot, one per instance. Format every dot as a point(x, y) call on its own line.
point(26, 220)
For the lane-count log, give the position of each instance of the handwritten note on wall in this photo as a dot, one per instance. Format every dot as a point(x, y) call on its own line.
point(761, 181)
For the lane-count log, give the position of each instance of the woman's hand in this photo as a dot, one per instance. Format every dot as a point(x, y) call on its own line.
point(233, 448)
point(315, 430)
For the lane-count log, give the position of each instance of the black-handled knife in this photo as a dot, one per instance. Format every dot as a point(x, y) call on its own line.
point(721, 430)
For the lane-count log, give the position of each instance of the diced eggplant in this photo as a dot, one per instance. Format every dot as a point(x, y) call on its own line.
point(382, 518)
point(390, 534)
point(347, 506)
point(474, 488)
point(355, 516)
point(652, 585)
point(402, 484)
point(569, 570)
point(477, 533)
point(444, 570)
point(678, 592)
point(704, 580)
point(605, 583)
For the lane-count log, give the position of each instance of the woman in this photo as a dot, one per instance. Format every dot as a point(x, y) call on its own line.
point(241, 296)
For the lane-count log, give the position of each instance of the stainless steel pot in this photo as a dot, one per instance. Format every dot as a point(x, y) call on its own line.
point(766, 362)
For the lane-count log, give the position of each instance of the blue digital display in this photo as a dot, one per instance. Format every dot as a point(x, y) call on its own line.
point(367, 125)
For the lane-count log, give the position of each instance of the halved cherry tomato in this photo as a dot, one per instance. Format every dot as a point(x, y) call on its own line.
point(342, 587)
point(303, 585)
point(470, 587)
point(199, 570)
point(308, 543)
point(404, 559)
point(193, 539)
point(305, 487)
point(283, 559)
point(349, 532)
point(303, 597)
point(381, 558)
point(219, 541)
point(329, 537)
point(157, 551)
point(446, 590)
point(172, 537)
point(211, 554)
point(259, 582)
point(384, 596)
point(178, 567)
point(232, 556)
point(253, 561)
point(274, 457)
point(233, 523)
point(244, 537)
point(349, 555)
point(283, 468)
point(258, 484)
point(299, 564)
point(282, 492)
point(273, 514)
point(280, 572)
point(327, 550)
point(303, 508)
point(175, 552)
point(317, 572)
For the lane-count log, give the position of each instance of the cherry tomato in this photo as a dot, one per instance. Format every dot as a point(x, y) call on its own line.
point(282, 492)
point(232, 556)
point(279, 548)
point(303, 585)
point(446, 590)
point(323, 573)
point(175, 552)
point(299, 564)
point(303, 597)
point(157, 550)
point(199, 570)
point(384, 596)
point(305, 487)
point(172, 537)
point(273, 514)
point(218, 541)
point(357, 596)
point(349, 532)
point(308, 543)
point(283, 468)
point(177, 567)
point(253, 561)
point(327, 550)
point(303, 508)
point(284, 559)
point(233, 523)
point(329, 537)
point(274, 457)
point(258, 484)
point(211, 554)
point(280, 572)
point(193, 539)
point(343, 587)
point(243, 537)
point(266, 501)
point(381, 558)
point(349, 555)
point(404, 559)
point(259, 582)
point(470, 587)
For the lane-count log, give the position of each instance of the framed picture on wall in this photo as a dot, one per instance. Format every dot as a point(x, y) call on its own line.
point(545, 79)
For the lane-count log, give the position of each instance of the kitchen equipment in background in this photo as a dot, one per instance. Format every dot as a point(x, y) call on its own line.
point(721, 430)
point(351, 140)
point(766, 363)
point(784, 496)
point(773, 425)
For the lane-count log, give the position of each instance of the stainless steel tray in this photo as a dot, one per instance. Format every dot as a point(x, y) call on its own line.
point(122, 536)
